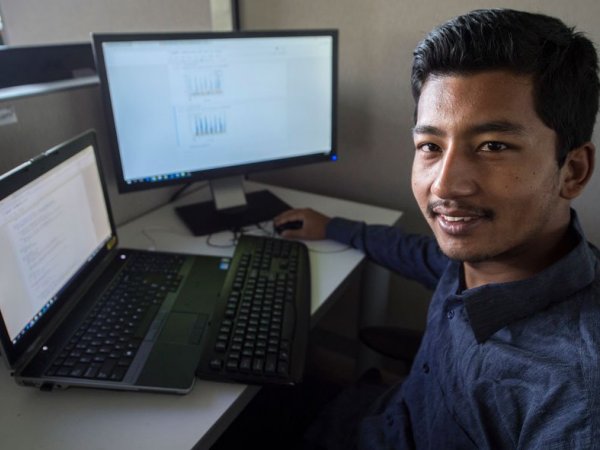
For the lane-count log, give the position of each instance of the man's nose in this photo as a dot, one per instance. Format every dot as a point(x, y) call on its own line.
point(455, 175)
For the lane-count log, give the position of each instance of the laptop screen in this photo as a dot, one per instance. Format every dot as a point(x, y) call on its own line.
point(49, 229)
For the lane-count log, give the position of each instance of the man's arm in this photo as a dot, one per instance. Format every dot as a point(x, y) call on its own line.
point(413, 256)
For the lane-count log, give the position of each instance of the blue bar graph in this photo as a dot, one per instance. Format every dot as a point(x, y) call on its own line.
point(205, 84)
point(207, 124)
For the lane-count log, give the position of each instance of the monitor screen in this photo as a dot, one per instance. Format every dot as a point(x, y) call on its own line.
point(184, 107)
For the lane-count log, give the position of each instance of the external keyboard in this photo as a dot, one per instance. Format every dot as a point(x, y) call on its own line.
point(260, 331)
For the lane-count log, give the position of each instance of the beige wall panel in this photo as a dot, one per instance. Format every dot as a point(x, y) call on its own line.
point(42, 21)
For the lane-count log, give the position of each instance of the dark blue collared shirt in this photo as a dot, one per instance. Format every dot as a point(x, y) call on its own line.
point(501, 366)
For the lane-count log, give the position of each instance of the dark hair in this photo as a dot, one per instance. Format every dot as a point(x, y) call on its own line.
point(562, 62)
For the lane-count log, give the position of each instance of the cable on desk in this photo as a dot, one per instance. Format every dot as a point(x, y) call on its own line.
point(251, 229)
point(231, 241)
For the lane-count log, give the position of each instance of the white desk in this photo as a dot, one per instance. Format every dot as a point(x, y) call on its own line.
point(94, 419)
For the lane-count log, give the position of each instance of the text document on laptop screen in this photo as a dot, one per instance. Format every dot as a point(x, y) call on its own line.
point(48, 230)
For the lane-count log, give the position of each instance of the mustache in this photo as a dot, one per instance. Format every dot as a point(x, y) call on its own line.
point(460, 206)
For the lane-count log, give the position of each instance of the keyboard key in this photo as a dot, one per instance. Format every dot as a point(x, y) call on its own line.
point(257, 365)
point(106, 369)
point(78, 370)
point(245, 364)
point(92, 371)
point(216, 364)
point(118, 373)
point(283, 369)
point(270, 364)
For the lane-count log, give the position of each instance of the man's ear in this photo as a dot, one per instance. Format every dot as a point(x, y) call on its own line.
point(577, 170)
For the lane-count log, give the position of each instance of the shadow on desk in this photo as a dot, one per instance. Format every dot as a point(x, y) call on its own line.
point(279, 416)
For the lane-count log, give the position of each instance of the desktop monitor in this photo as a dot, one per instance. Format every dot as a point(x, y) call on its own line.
point(216, 106)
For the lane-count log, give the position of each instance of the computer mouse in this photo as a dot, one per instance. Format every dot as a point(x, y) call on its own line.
point(291, 225)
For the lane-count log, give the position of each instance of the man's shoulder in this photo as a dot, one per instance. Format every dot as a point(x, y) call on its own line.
point(595, 251)
point(593, 290)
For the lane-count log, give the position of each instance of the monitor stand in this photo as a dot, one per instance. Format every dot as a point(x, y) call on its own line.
point(230, 209)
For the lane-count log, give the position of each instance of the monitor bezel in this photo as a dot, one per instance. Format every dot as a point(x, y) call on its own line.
point(98, 39)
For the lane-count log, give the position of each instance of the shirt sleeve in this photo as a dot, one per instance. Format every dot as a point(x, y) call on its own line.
point(413, 256)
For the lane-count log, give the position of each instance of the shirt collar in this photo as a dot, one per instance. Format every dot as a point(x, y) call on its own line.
point(493, 306)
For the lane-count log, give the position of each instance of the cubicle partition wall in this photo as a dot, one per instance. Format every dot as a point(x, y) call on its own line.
point(36, 117)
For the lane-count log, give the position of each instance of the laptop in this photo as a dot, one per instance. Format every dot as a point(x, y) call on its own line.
point(77, 310)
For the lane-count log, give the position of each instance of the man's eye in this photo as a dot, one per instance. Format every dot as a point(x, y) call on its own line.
point(428, 147)
point(493, 147)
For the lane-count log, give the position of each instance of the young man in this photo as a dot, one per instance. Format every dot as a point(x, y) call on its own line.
point(506, 103)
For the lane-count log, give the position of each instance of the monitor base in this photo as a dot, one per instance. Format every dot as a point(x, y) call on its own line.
point(203, 218)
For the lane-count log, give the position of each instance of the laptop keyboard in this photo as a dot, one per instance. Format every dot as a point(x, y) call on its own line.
point(264, 321)
point(104, 346)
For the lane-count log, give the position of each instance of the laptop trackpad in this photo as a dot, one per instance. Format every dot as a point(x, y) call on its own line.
point(176, 353)
point(183, 328)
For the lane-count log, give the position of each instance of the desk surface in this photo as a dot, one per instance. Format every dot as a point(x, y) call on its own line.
point(97, 419)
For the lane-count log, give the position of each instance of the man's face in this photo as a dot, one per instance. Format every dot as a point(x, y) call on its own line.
point(485, 173)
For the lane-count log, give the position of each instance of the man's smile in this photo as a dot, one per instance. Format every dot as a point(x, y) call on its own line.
point(457, 219)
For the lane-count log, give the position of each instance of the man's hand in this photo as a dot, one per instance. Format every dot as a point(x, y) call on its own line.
point(313, 224)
